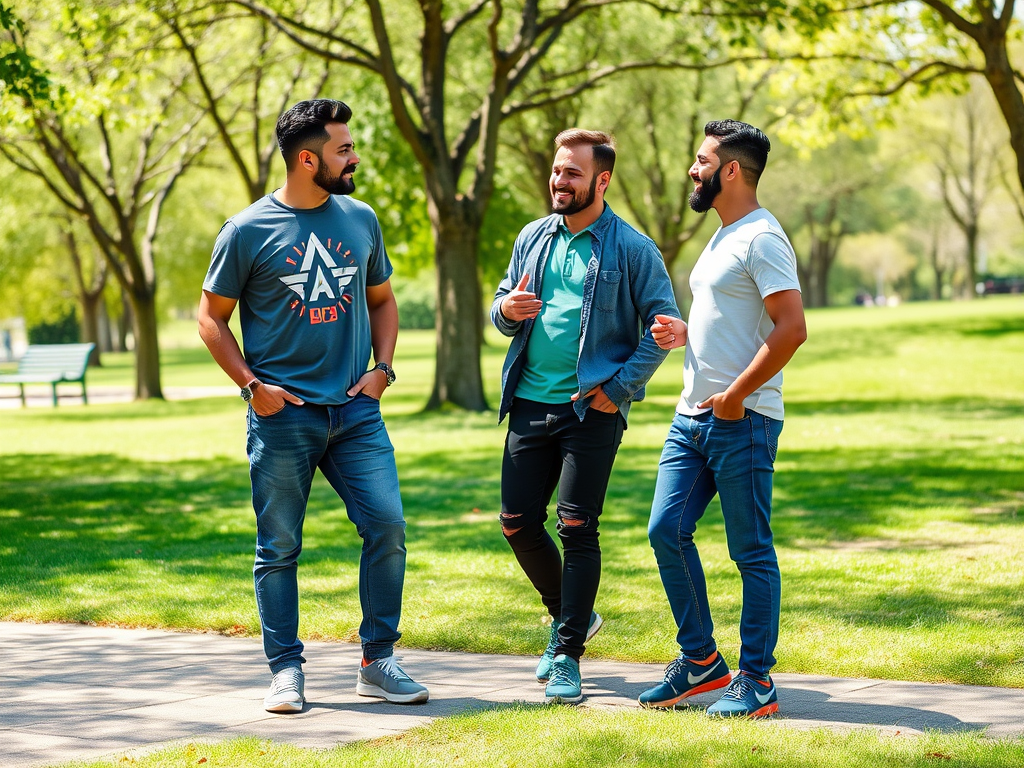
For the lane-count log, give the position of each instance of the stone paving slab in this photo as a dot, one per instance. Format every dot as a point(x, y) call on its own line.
point(76, 692)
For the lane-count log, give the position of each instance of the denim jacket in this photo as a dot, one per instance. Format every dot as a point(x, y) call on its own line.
point(626, 285)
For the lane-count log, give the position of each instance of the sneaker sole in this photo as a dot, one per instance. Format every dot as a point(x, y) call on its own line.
point(374, 691)
point(711, 685)
point(563, 699)
point(591, 631)
point(766, 711)
point(285, 707)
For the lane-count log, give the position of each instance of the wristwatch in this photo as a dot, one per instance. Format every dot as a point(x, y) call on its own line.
point(249, 389)
point(388, 371)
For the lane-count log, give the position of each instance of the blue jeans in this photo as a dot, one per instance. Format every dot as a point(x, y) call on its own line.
point(350, 445)
point(704, 455)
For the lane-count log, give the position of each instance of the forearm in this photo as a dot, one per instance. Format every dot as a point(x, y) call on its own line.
point(777, 350)
point(636, 371)
point(224, 348)
point(384, 330)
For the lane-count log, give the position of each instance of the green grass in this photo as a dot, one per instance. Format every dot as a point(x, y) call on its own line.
point(899, 513)
point(526, 736)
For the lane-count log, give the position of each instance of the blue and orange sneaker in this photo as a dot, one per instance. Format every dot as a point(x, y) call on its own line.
point(684, 678)
point(747, 696)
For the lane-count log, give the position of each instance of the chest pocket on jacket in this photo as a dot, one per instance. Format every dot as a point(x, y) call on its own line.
point(606, 294)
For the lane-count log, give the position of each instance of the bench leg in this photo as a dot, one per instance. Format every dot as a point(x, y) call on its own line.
point(22, 388)
point(55, 394)
point(85, 399)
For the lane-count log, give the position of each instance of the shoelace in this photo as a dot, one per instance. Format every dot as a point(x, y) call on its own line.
point(674, 668)
point(286, 680)
point(553, 640)
point(738, 688)
point(389, 666)
point(561, 674)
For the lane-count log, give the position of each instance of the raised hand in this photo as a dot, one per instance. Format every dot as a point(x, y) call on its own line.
point(668, 332)
point(520, 304)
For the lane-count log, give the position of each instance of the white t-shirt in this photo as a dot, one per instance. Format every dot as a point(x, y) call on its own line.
point(744, 262)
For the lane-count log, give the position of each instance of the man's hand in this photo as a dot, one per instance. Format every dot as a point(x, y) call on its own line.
point(520, 304)
point(668, 332)
point(268, 399)
point(724, 407)
point(600, 402)
point(372, 383)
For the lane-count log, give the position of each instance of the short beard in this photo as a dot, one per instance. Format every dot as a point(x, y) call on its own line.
point(703, 198)
point(576, 204)
point(334, 185)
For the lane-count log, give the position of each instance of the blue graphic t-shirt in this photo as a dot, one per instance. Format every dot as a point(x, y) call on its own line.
point(300, 277)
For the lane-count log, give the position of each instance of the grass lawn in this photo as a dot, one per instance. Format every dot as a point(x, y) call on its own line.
point(899, 516)
point(560, 736)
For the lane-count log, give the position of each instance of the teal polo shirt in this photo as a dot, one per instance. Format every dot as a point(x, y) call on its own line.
point(552, 351)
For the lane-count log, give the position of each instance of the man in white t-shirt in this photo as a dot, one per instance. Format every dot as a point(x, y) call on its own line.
point(746, 322)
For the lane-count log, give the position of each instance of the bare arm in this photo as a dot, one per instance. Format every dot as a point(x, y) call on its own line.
point(383, 309)
point(787, 312)
point(214, 313)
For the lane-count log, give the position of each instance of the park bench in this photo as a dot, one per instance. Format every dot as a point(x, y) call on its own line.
point(51, 364)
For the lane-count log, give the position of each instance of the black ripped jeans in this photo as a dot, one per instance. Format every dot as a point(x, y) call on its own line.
point(548, 446)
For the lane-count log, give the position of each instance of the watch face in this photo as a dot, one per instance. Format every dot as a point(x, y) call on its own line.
point(246, 394)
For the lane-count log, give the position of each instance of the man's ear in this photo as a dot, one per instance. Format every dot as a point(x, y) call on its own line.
point(603, 180)
point(307, 159)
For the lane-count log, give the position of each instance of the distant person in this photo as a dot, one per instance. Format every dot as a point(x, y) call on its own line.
point(581, 289)
point(308, 265)
point(746, 322)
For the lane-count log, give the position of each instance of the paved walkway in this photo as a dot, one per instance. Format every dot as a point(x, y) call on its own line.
point(75, 692)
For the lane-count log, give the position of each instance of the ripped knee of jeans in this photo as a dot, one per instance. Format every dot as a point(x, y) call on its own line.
point(508, 523)
point(568, 520)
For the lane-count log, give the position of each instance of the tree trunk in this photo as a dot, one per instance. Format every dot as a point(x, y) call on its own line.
point(457, 376)
point(90, 303)
point(971, 257)
point(103, 327)
point(147, 350)
point(1000, 75)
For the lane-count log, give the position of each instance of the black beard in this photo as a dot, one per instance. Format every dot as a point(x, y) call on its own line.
point(334, 185)
point(576, 204)
point(702, 199)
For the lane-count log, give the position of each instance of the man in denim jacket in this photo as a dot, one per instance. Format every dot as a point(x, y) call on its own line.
point(581, 289)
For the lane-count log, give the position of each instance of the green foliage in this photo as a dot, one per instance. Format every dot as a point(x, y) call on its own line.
point(21, 75)
point(59, 330)
point(417, 301)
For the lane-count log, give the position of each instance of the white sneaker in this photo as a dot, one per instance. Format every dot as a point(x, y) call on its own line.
point(285, 694)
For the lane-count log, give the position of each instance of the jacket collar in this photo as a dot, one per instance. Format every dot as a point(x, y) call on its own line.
point(552, 222)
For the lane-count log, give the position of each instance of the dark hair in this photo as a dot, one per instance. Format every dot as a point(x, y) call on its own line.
point(304, 126)
point(741, 142)
point(603, 144)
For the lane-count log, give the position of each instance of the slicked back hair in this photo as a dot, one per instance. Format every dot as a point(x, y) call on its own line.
point(742, 142)
point(304, 126)
point(603, 144)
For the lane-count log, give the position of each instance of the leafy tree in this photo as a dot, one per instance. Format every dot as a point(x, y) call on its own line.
point(453, 73)
point(111, 150)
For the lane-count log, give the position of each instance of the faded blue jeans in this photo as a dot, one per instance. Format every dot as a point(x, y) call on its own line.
point(704, 455)
point(350, 445)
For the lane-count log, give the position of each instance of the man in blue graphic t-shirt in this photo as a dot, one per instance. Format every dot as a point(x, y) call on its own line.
point(308, 268)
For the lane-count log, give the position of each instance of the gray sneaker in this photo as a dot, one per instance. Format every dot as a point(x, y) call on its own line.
point(285, 694)
point(544, 665)
point(384, 679)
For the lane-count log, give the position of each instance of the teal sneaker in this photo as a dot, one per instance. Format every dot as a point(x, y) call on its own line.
point(684, 678)
point(564, 685)
point(286, 691)
point(747, 696)
point(384, 679)
point(544, 666)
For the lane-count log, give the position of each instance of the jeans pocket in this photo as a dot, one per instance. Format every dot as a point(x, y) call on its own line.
point(772, 429)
